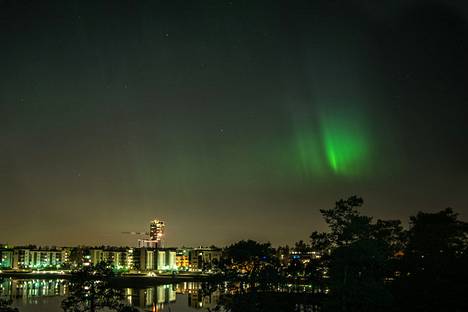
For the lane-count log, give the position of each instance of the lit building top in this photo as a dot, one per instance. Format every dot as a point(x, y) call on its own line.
point(157, 230)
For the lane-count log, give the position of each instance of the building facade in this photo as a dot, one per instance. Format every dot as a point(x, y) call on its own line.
point(39, 258)
point(182, 259)
point(156, 235)
point(204, 258)
point(6, 258)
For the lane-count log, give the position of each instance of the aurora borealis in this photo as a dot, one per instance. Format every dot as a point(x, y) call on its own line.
point(226, 119)
point(340, 144)
point(346, 145)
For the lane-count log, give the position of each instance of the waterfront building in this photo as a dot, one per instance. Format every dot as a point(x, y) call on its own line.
point(20, 258)
point(166, 260)
point(204, 258)
point(120, 258)
point(146, 259)
point(157, 230)
point(47, 258)
point(38, 258)
point(147, 243)
point(304, 256)
point(96, 256)
point(161, 260)
point(156, 235)
point(6, 258)
point(128, 259)
point(182, 258)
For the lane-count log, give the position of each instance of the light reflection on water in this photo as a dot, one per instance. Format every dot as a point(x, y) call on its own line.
point(47, 294)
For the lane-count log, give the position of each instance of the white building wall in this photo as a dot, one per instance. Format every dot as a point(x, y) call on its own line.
point(149, 260)
point(171, 260)
point(161, 260)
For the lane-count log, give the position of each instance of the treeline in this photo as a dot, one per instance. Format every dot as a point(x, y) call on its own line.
point(379, 266)
point(362, 264)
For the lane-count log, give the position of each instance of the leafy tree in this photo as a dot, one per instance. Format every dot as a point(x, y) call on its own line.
point(315, 272)
point(357, 273)
point(434, 273)
point(282, 254)
point(247, 255)
point(357, 253)
point(269, 277)
point(437, 235)
point(301, 247)
point(76, 256)
point(295, 267)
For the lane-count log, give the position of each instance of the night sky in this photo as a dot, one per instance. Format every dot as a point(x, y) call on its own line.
point(227, 119)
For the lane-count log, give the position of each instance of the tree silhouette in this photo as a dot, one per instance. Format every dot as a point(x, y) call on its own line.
point(248, 255)
point(301, 247)
point(434, 273)
point(357, 253)
point(364, 265)
point(314, 272)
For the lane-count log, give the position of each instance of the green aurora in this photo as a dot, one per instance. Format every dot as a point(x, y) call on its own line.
point(340, 145)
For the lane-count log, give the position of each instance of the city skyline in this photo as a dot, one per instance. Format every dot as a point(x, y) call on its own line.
point(228, 120)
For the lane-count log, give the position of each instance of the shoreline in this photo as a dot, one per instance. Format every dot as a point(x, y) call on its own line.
point(121, 280)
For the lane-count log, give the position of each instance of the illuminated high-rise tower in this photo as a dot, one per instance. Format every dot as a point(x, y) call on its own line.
point(157, 231)
point(156, 234)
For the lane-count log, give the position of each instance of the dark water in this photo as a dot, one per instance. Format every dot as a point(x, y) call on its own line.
point(47, 294)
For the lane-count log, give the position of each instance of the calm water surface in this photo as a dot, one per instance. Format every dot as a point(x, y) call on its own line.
point(47, 294)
